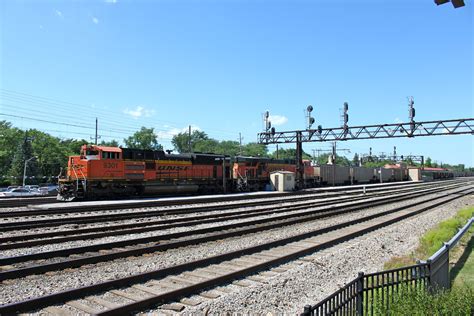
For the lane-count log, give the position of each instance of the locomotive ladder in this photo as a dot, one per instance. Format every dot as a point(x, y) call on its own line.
point(81, 189)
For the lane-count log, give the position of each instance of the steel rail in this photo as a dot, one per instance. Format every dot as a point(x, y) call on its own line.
point(24, 201)
point(10, 226)
point(28, 224)
point(191, 289)
point(115, 230)
point(60, 297)
point(233, 198)
point(204, 235)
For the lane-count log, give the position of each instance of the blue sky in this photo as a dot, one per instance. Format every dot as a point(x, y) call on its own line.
point(218, 65)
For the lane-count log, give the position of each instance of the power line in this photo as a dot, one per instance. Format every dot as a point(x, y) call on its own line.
point(79, 107)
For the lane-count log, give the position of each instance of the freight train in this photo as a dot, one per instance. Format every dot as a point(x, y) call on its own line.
point(106, 172)
point(101, 171)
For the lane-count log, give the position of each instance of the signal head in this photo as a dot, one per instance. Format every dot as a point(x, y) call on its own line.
point(309, 108)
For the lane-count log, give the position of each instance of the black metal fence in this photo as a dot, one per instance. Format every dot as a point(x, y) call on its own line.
point(369, 293)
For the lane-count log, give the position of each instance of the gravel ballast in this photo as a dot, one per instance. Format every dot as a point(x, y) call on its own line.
point(33, 286)
point(331, 269)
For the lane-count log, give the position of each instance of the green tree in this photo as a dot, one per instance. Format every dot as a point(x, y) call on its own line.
point(145, 138)
point(428, 162)
point(51, 155)
point(355, 160)
point(10, 138)
point(73, 146)
point(23, 153)
point(112, 143)
point(205, 146)
point(255, 150)
point(181, 141)
point(289, 153)
point(228, 147)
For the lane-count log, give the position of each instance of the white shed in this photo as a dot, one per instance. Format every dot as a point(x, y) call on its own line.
point(282, 180)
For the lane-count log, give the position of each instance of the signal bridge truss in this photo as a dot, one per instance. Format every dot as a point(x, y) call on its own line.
point(410, 129)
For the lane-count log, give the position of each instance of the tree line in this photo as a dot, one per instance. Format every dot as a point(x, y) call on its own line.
point(47, 155)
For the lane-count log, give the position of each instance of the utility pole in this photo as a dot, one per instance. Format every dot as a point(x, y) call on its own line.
point(277, 151)
point(394, 153)
point(24, 169)
point(223, 175)
point(96, 128)
point(189, 140)
point(95, 139)
point(240, 144)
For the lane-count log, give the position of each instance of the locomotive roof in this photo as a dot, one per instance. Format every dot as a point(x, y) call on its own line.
point(109, 149)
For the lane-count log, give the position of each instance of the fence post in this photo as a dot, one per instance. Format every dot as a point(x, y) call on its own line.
point(360, 293)
point(307, 310)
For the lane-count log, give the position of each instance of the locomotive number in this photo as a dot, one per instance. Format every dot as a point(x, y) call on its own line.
point(110, 165)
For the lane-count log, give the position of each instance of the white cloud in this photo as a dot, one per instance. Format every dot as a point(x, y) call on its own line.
point(397, 120)
point(278, 120)
point(139, 111)
point(111, 1)
point(172, 131)
point(59, 13)
point(95, 20)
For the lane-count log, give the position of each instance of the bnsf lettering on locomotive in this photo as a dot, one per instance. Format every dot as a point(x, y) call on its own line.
point(110, 165)
point(178, 168)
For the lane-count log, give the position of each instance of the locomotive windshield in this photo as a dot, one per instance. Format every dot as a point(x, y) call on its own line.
point(89, 153)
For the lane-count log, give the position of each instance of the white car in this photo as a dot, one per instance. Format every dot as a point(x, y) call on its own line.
point(20, 192)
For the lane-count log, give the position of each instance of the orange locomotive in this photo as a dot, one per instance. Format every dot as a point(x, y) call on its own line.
point(101, 171)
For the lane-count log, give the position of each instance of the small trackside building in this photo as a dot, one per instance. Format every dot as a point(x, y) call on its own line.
point(282, 180)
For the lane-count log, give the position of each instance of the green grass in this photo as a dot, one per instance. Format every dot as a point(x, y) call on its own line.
point(433, 239)
point(419, 302)
point(463, 272)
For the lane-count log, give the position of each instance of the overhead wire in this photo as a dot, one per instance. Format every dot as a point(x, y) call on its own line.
point(54, 103)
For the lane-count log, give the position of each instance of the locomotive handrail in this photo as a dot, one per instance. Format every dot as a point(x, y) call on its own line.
point(79, 168)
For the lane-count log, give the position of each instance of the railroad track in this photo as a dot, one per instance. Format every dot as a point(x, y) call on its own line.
point(84, 218)
point(19, 202)
point(29, 240)
point(24, 265)
point(89, 206)
point(139, 292)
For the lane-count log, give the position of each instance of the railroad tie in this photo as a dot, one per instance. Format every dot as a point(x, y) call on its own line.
point(269, 274)
point(82, 307)
point(126, 295)
point(257, 279)
point(100, 301)
point(191, 302)
point(57, 311)
point(242, 283)
point(211, 294)
point(178, 280)
point(173, 307)
point(147, 289)
point(199, 275)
